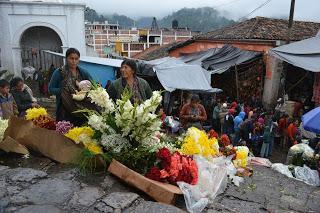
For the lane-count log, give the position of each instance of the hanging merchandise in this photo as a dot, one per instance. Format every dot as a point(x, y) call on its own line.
point(316, 89)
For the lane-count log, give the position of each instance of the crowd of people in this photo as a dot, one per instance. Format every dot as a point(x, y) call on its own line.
point(244, 123)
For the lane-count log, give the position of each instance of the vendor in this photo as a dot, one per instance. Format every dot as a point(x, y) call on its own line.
point(193, 113)
point(139, 87)
point(65, 79)
point(22, 96)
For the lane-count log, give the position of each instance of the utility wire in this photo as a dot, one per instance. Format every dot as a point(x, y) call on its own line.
point(259, 7)
point(225, 4)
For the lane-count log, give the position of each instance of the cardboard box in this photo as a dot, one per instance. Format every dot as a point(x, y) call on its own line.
point(161, 192)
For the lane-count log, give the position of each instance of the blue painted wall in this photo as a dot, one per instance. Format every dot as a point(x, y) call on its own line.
point(100, 73)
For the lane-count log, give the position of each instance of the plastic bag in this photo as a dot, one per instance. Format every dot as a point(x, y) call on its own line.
point(257, 161)
point(212, 180)
point(283, 169)
point(172, 123)
point(307, 175)
point(299, 153)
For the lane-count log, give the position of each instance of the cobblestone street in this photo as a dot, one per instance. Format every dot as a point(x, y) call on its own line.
point(39, 185)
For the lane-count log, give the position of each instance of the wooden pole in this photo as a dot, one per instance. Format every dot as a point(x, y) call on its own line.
point(237, 82)
point(290, 20)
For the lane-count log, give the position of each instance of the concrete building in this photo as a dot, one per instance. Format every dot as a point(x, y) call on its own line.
point(28, 27)
point(110, 38)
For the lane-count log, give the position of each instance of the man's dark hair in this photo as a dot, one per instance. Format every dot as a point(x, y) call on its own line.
point(72, 51)
point(4, 83)
point(131, 63)
point(14, 82)
point(195, 97)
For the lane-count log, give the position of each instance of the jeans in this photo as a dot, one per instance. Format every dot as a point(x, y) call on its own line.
point(264, 150)
point(271, 146)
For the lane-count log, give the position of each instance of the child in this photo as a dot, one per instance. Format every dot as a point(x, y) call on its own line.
point(7, 103)
point(266, 140)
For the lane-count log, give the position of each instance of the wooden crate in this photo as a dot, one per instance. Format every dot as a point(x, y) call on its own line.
point(161, 192)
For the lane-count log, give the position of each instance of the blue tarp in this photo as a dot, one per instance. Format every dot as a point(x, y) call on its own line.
point(100, 73)
point(311, 120)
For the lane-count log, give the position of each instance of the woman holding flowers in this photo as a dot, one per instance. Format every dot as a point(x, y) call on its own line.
point(64, 83)
point(138, 87)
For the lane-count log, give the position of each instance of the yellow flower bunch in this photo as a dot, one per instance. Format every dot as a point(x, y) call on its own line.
point(197, 142)
point(35, 113)
point(77, 134)
point(94, 148)
point(241, 156)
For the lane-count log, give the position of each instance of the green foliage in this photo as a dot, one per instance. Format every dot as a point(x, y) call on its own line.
point(197, 19)
point(139, 159)
point(90, 163)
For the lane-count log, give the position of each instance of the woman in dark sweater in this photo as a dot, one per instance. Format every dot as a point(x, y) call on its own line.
point(64, 83)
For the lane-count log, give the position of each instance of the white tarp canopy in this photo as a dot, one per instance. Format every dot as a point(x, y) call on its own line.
point(175, 74)
point(304, 54)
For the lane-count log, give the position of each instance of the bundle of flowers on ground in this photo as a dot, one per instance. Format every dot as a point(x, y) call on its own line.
point(174, 168)
point(40, 118)
point(197, 142)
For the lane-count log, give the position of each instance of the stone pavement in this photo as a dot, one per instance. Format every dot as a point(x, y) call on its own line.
point(51, 188)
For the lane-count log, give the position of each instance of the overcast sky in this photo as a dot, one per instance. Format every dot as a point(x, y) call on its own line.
point(304, 9)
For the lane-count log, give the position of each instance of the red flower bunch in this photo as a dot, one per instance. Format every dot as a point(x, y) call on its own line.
point(45, 122)
point(175, 167)
point(154, 174)
point(213, 134)
point(224, 141)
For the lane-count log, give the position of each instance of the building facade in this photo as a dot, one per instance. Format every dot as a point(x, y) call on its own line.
point(33, 26)
point(107, 38)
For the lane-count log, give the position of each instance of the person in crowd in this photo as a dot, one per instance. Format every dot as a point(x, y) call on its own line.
point(237, 121)
point(273, 131)
point(266, 141)
point(215, 117)
point(222, 114)
point(193, 114)
point(8, 106)
point(64, 83)
point(22, 96)
point(282, 128)
point(51, 71)
point(292, 131)
point(228, 123)
point(139, 87)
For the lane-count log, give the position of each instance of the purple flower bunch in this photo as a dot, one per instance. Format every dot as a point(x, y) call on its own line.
point(62, 127)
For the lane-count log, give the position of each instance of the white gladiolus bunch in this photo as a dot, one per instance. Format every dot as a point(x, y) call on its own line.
point(97, 123)
point(101, 98)
point(139, 122)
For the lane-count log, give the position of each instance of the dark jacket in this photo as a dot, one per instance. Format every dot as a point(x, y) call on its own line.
point(117, 87)
point(55, 85)
point(23, 100)
point(8, 106)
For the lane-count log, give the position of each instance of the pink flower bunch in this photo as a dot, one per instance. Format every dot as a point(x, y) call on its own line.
point(62, 127)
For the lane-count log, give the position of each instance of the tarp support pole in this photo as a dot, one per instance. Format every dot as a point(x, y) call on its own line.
point(237, 82)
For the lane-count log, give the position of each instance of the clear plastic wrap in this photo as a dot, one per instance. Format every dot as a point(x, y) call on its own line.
point(283, 169)
point(299, 153)
point(212, 181)
point(307, 175)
